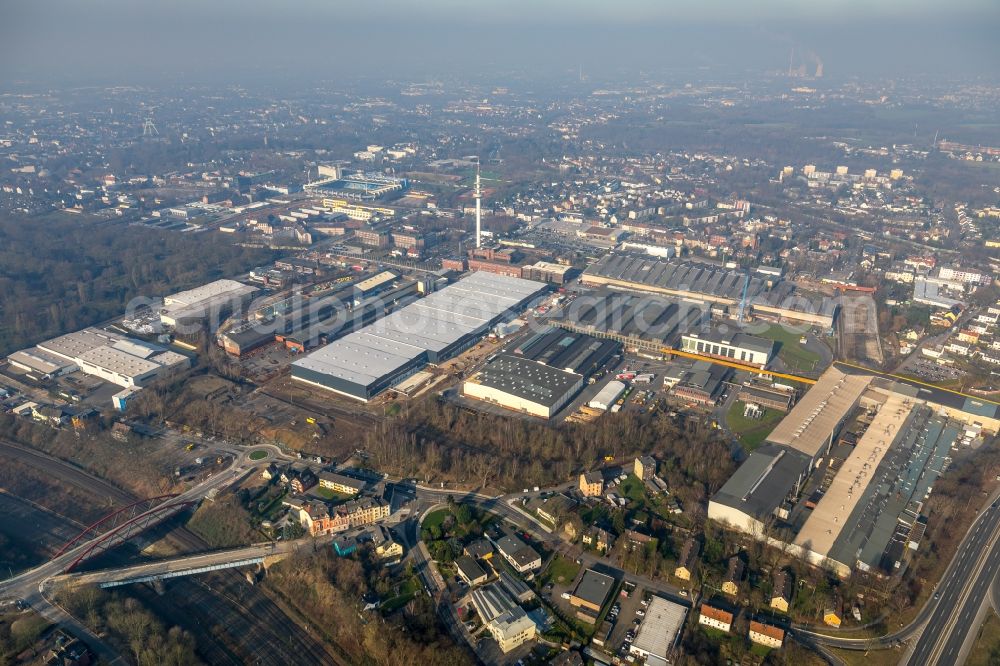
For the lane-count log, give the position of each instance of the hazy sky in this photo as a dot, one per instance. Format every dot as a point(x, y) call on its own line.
point(65, 41)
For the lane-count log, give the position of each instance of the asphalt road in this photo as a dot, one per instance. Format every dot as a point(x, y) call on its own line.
point(961, 595)
point(182, 563)
point(945, 619)
point(30, 585)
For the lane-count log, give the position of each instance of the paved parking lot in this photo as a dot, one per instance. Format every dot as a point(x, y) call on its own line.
point(625, 620)
point(928, 369)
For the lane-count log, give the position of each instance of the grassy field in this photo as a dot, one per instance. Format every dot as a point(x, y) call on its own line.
point(259, 454)
point(633, 489)
point(986, 650)
point(793, 354)
point(435, 518)
point(561, 570)
point(751, 431)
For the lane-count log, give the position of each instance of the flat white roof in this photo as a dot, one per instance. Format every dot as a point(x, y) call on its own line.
point(212, 290)
point(348, 358)
point(376, 280)
point(118, 362)
point(73, 345)
point(811, 422)
point(136, 348)
point(39, 360)
point(101, 349)
point(168, 358)
point(551, 267)
point(431, 324)
point(826, 521)
point(610, 392)
point(659, 627)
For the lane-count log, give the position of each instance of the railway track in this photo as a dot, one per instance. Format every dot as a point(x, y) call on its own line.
point(271, 636)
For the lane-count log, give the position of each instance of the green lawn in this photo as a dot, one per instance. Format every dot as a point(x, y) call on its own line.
point(715, 634)
point(632, 488)
point(751, 431)
point(436, 518)
point(397, 602)
point(792, 353)
point(259, 454)
point(272, 506)
point(561, 570)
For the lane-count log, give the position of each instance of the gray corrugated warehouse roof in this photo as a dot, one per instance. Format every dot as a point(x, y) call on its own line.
point(432, 324)
point(527, 379)
point(645, 316)
point(39, 360)
point(208, 292)
point(690, 276)
point(72, 345)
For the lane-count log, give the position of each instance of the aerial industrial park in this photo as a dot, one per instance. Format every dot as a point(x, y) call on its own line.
point(592, 366)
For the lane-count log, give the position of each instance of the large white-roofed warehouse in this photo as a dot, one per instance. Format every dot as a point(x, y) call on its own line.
point(431, 330)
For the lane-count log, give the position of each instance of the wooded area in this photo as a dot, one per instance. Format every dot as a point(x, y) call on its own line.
point(327, 590)
point(437, 438)
point(62, 275)
point(131, 627)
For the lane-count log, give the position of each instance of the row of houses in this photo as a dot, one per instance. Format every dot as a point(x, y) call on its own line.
point(781, 583)
point(761, 633)
point(319, 519)
point(300, 478)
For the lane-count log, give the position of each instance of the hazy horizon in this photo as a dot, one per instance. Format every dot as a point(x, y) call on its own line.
point(56, 42)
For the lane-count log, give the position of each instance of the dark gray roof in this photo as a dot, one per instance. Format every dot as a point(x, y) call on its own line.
point(479, 548)
point(767, 394)
point(763, 481)
point(686, 275)
point(594, 587)
point(514, 586)
point(516, 549)
point(527, 379)
point(645, 316)
point(469, 568)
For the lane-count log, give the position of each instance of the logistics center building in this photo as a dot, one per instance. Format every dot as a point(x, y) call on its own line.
point(109, 356)
point(841, 482)
point(431, 330)
point(522, 385)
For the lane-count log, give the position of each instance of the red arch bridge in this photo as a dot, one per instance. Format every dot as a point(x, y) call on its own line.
point(121, 525)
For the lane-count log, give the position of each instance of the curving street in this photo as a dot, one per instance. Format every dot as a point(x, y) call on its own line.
point(938, 633)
